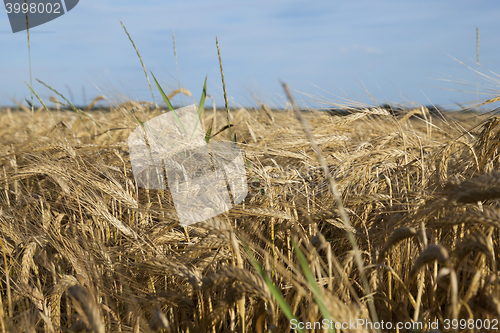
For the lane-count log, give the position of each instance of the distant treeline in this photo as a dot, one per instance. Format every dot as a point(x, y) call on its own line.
point(392, 109)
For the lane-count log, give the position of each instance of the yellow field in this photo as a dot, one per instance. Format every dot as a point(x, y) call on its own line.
point(84, 249)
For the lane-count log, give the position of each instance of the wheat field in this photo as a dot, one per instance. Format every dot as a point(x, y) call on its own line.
point(83, 249)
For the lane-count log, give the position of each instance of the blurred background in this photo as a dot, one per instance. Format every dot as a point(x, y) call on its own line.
point(328, 52)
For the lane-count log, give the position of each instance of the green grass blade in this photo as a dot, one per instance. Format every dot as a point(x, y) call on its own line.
point(140, 122)
point(248, 163)
point(169, 105)
point(79, 112)
point(274, 291)
point(222, 130)
point(202, 104)
point(142, 63)
point(312, 284)
point(207, 136)
point(165, 98)
point(45, 107)
point(203, 97)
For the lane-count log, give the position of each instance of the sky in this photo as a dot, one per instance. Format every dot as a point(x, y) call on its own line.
point(328, 52)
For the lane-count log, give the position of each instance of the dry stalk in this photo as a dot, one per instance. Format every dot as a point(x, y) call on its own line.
point(338, 201)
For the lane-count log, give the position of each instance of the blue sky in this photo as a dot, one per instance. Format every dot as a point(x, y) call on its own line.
point(395, 51)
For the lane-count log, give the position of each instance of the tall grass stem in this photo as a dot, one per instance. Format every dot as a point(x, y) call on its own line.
point(477, 65)
point(177, 65)
point(142, 63)
point(224, 87)
point(338, 201)
point(31, 74)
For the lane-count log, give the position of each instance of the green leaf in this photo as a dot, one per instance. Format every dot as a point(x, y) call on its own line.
point(222, 129)
point(209, 132)
point(170, 107)
point(165, 98)
point(203, 97)
point(207, 136)
point(202, 104)
point(312, 284)
point(274, 291)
